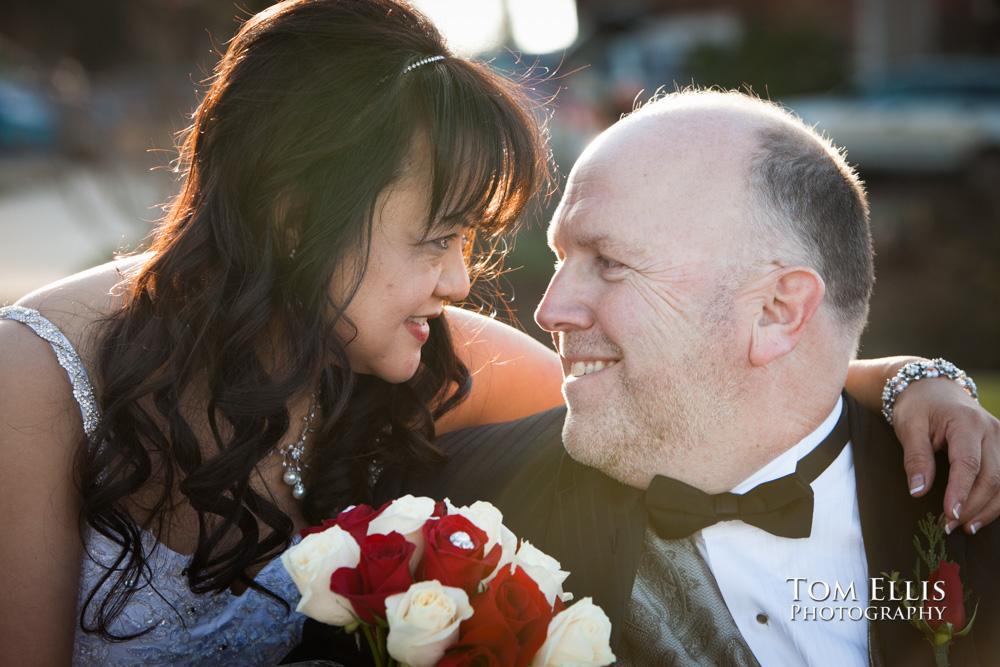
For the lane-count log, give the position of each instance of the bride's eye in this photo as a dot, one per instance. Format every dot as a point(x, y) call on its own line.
point(444, 242)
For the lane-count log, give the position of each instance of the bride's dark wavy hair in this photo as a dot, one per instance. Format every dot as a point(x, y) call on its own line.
point(309, 116)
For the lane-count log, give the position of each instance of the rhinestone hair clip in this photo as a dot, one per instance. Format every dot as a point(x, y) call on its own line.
point(423, 61)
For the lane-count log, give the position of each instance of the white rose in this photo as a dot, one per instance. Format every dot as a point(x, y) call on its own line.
point(304, 559)
point(424, 622)
point(544, 570)
point(310, 564)
point(406, 516)
point(488, 518)
point(579, 635)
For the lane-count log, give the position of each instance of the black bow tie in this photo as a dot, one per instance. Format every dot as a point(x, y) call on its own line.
point(782, 507)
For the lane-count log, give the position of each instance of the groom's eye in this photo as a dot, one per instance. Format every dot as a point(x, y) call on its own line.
point(608, 264)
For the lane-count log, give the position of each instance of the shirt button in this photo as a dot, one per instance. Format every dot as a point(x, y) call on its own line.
point(762, 618)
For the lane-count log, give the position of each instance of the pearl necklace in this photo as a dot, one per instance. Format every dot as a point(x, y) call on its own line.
point(291, 456)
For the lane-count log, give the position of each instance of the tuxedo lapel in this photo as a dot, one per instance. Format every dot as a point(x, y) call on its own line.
point(596, 530)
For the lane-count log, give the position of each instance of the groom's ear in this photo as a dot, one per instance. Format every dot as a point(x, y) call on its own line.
point(784, 302)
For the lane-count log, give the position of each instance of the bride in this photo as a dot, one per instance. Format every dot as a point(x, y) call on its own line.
point(170, 421)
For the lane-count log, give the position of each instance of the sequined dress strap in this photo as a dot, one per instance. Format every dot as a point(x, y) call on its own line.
point(83, 391)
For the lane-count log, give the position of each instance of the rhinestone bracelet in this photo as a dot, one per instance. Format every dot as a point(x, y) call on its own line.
point(918, 370)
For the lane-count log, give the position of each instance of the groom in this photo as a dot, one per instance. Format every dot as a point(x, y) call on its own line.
point(714, 270)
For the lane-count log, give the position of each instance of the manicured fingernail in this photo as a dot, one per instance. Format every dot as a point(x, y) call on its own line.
point(975, 527)
point(916, 484)
point(957, 510)
point(950, 526)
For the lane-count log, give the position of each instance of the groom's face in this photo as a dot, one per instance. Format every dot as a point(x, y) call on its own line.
point(639, 306)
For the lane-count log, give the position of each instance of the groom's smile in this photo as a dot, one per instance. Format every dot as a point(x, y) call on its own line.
point(581, 368)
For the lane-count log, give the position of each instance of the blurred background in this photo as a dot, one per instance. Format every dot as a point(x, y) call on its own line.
point(91, 95)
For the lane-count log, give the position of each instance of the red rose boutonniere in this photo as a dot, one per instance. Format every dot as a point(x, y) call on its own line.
point(939, 613)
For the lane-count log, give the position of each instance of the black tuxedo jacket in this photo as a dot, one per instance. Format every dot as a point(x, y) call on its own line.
point(594, 525)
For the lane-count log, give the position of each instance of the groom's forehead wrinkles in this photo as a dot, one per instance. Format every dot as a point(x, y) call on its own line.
point(585, 224)
point(591, 233)
point(608, 243)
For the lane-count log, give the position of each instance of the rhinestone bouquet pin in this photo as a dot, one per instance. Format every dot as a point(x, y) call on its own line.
point(427, 583)
point(939, 608)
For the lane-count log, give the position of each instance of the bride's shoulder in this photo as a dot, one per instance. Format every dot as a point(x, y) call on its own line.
point(75, 305)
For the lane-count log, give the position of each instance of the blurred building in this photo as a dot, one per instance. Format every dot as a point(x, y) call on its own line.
point(881, 34)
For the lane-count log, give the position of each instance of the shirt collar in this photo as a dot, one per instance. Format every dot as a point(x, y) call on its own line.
point(784, 463)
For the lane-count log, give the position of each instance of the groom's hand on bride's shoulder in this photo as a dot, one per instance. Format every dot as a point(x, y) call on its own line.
point(936, 413)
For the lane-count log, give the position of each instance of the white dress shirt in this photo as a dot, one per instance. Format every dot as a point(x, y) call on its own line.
point(752, 568)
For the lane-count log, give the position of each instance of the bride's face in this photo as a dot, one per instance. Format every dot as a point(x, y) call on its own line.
point(410, 275)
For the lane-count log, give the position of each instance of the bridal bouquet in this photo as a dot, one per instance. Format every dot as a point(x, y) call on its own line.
point(427, 583)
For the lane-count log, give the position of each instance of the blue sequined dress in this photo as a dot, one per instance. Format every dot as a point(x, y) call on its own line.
point(185, 629)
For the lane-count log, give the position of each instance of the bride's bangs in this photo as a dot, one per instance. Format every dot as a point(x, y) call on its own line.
point(488, 150)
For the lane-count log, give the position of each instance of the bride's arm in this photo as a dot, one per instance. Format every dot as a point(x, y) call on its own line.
point(513, 375)
point(929, 414)
point(40, 431)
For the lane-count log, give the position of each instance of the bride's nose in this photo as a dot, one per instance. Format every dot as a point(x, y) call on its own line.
point(453, 281)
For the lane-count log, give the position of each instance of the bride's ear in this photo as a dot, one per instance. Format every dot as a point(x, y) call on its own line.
point(787, 299)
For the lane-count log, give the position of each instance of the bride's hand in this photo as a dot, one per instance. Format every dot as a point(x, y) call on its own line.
point(935, 411)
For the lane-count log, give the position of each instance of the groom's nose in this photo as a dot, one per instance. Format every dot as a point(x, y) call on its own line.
point(564, 307)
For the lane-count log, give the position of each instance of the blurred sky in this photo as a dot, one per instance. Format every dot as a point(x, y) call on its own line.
point(535, 26)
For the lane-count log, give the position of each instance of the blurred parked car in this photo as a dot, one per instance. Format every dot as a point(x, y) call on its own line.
point(938, 116)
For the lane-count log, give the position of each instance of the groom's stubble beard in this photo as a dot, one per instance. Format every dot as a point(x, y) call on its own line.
point(652, 420)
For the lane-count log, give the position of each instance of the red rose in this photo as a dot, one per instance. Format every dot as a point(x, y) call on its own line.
point(518, 598)
point(952, 609)
point(469, 656)
point(384, 570)
point(455, 554)
point(487, 630)
point(524, 608)
point(511, 619)
point(440, 509)
point(355, 521)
